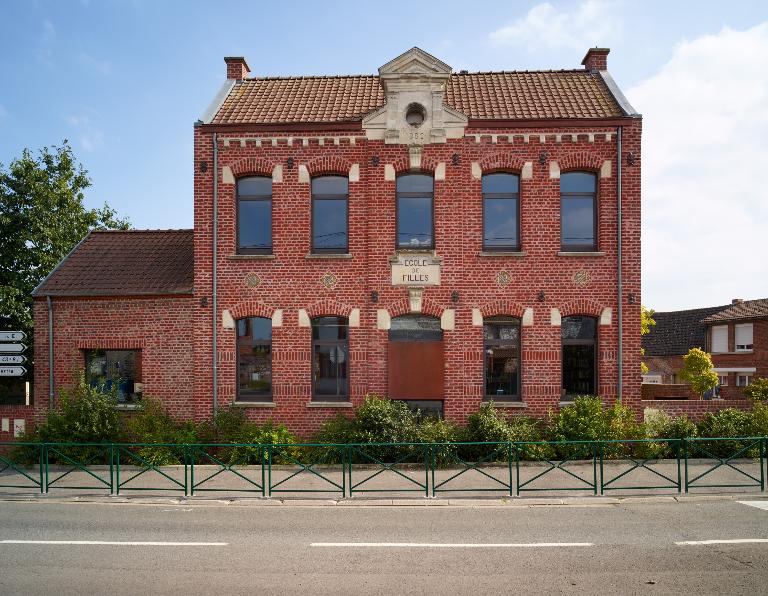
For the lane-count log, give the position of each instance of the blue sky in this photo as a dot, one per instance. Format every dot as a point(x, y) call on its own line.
point(125, 80)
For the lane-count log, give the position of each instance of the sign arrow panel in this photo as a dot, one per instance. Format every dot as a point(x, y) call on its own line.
point(12, 359)
point(12, 371)
point(12, 348)
point(12, 336)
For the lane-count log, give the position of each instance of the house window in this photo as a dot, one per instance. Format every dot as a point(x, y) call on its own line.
point(744, 337)
point(719, 339)
point(330, 199)
point(254, 359)
point(502, 358)
point(579, 338)
point(501, 212)
point(330, 359)
point(118, 370)
point(254, 215)
point(415, 225)
point(578, 211)
point(743, 380)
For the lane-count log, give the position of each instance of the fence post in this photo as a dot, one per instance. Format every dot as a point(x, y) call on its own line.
point(677, 455)
point(602, 470)
point(111, 468)
point(596, 449)
point(347, 455)
point(685, 455)
point(427, 467)
point(117, 470)
point(344, 473)
point(269, 471)
point(517, 470)
point(762, 466)
point(189, 471)
point(43, 468)
point(509, 464)
point(262, 460)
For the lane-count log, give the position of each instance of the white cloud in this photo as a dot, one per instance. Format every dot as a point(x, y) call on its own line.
point(705, 156)
point(89, 137)
point(591, 23)
point(102, 66)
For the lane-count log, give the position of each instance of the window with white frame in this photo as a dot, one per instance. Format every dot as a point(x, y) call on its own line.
point(719, 339)
point(743, 380)
point(743, 337)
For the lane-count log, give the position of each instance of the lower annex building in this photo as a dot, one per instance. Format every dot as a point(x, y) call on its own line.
point(433, 236)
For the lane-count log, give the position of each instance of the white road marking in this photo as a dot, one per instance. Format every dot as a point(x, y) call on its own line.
point(734, 541)
point(758, 504)
point(111, 543)
point(452, 545)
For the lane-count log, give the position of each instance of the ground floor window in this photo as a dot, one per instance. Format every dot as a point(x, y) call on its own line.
point(254, 359)
point(743, 380)
point(502, 358)
point(579, 359)
point(425, 407)
point(118, 370)
point(330, 359)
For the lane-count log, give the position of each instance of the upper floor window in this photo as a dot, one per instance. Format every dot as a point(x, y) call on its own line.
point(579, 338)
point(502, 357)
point(254, 215)
point(501, 212)
point(330, 359)
point(415, 224)
point(743, 334)
point(578, 211)
point(118, 370)
point(719, 343)
point(330, 198)
point(254, 359)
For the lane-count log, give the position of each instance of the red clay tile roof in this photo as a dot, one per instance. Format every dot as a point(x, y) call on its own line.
point(126, 263)
point(747, 309)
point(481, 95)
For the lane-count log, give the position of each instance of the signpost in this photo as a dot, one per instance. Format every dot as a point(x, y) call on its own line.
point(11, 353)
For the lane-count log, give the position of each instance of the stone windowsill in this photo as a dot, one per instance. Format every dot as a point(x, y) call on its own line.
point(593, 253)
point(251, 257)
point(501, 253)
point(328, 255)
point(562, 404)
point(254, 404)
point(510, 404)
point(329, 404)
point(129, 407)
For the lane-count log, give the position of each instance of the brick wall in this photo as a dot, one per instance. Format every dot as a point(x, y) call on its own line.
point(695, 410)
point(13, 413)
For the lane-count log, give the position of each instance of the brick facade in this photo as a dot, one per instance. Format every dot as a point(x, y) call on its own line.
point(175, 333)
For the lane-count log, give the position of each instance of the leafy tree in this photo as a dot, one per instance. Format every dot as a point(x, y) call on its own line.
point(697, 370)
point(646, 322)
point(42, 217)
point(757, 390)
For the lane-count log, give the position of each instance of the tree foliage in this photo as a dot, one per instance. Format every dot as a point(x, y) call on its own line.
point(757, 390)
point(42, 217)
point(646, 322)
point(697, 370)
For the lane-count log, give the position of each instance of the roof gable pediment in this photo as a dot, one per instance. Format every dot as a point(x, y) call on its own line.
point(415, 62)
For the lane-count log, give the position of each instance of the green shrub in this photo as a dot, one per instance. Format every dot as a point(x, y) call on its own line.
point(759, 420)
point(444, 432)
point(380, 420)
point(660, 425)
point(757, 390)
point(728, 422)
point(489, 425)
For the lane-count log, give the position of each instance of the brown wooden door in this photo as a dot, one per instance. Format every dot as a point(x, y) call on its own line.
point(416, 370)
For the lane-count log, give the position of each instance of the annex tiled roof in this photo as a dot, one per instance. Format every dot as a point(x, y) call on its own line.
point(678, 331)
point(747, 309)
point(131, 262)
point(516, 95)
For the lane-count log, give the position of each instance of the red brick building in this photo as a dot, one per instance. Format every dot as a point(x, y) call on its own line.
point(432, 236)
point(736, 336)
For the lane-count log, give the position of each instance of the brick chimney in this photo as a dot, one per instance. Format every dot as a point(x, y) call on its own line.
point(237, 67)
point(596, 59)
point(737, 301)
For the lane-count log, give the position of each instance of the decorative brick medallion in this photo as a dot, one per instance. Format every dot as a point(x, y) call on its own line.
point(329, 281)
point(581, 279)
point(503, 278)
point(252, 280)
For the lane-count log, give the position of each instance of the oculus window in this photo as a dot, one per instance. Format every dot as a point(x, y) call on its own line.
point(254, 215)
point(118, 370)
point(415, 224)
point(330, 359)
point(254, 359)
point(330, 204)
point(578, 212)
point(501, 212)
point(502, 358)
point(579, 339)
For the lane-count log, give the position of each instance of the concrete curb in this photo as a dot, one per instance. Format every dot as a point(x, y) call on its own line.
point(596, 501)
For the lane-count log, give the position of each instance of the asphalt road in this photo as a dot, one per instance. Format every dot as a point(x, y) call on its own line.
point(590, 549)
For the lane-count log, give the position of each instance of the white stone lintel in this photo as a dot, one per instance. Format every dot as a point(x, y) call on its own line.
point(448, 320)
point(227, 322)
point(528, 317)
point(554, 170)
point(477, 171)
point(554, 317)
point(303, 174)
point(354, 317)
point(277, 318)
point(383, 321)
point(527, 173)
point(477, 317)
point(389, 172)
point(606, 316)
point(227, 177)
point(304, 318)
point(440, 171)
point(354, 172)
point(605, 169)
point(277, 173)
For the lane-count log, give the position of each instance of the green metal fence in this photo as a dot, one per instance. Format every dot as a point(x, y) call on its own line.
point(404, 469)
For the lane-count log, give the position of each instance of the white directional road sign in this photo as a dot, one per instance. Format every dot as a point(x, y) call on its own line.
point(12, 336)
point(12, 359)
point(12, 371)
point(12, 348)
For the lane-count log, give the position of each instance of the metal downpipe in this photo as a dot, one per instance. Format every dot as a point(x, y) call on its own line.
point(51, 393)
point(214, 297)
point(620, 285)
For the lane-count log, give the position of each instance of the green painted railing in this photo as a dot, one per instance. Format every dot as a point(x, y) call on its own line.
point(428, 469)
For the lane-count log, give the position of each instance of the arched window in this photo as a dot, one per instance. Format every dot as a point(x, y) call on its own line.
point(415, 219)
point(579, 337)
point(254, 359)
point(330, 199)
point(502, 358)
point(415, 328)
point(578, 211)
point(254, 215)
point(501, 212)
point(330, 359)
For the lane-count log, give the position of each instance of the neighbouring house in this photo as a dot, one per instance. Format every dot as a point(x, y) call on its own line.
point(736, 336)
point(442, 238)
